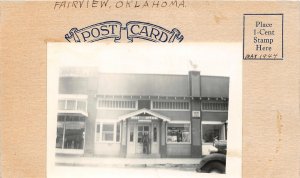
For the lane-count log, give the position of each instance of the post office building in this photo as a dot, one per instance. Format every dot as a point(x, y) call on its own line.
point(140, 115)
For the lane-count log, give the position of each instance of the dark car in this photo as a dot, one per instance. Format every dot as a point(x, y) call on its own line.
point(221, 145)
point(215, 162)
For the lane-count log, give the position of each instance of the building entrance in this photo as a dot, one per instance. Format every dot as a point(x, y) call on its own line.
point(144, 133)
point(143, 142)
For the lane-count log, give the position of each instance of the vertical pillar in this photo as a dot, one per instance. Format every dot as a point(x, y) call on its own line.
point(195, 113)
point(90, 122)
point(64, 133)
point(163, 146)
point(124, 134)
point(196, 147)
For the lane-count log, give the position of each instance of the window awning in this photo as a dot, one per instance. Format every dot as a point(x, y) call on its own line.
point(73, 112)
point(144, 111)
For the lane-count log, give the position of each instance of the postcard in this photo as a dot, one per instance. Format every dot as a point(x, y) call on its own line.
point(119, 108)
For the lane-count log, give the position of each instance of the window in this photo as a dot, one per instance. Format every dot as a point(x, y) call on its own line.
point(108, 132)
point(70, 133)
point(178, 133)
point(154, 134)
point(131, 136)
point(81, 105)
point(98, 133)
point(171, 105)
point(115, 104)
point(142, 130)
point(212, 131)
point(74, 118)
point(74, 133)
point(62, 104)
point(59, 135)
point(214, 106)
point(72, 104)
point(118, 132)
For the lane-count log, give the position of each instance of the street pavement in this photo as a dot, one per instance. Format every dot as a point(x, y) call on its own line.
point(93, 167)
point(125, 162)
point(115, 172)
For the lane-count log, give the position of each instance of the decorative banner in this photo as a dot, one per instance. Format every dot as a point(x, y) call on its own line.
point(133, 29)
point(96, 32)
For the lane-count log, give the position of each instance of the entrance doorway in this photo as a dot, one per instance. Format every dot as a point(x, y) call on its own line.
point(143, 141)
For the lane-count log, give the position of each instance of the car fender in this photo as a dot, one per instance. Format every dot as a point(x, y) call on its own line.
point(212, 157)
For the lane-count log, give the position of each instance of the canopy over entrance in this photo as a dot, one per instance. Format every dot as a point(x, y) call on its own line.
point(144, 114)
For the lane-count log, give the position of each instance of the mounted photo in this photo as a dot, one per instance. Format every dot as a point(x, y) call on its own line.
point(128, 110)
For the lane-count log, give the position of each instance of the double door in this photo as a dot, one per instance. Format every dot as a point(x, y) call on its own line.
point(143, 141)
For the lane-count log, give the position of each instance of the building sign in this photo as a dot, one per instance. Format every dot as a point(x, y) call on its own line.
point(144, 117)
point(196, 114)
point(148, 121)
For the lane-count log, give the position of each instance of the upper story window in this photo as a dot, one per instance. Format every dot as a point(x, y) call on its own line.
point(214, 106)
point(72, 104)
point(117, 104)
point(171, 105)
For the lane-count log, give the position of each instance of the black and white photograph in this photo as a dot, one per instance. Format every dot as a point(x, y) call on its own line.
point(123, 110)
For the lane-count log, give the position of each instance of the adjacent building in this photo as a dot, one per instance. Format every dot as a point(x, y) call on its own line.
point(109, 114)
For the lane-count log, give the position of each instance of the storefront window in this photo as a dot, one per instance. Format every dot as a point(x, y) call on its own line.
point(70, 134)
point(212, 131)
point(59, 135)
point(74, 132)
point(178, 133)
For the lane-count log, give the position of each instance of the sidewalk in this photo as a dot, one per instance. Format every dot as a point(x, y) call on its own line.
point(126, 162)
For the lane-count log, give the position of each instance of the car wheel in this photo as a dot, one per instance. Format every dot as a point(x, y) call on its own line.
point(214, 167)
